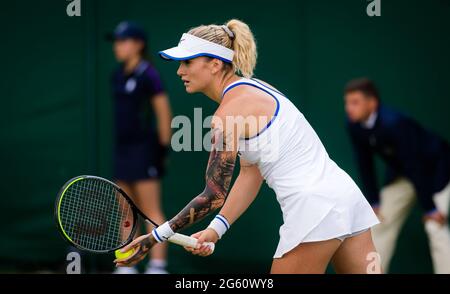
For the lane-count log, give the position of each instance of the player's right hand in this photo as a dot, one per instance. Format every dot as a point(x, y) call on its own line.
point(207, 235)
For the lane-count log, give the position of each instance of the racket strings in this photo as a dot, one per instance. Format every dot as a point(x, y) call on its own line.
point(95, 215)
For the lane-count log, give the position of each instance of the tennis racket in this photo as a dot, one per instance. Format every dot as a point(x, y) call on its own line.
point(96, 215)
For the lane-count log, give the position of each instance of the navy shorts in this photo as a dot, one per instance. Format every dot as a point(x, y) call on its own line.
point(138, 161)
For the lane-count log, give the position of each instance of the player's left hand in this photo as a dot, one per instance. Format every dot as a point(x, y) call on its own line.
point(207, 235)
point(141, 246)
point(436, 216)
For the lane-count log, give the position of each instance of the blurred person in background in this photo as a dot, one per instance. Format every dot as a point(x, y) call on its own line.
point(141, 146)
point(417, 163)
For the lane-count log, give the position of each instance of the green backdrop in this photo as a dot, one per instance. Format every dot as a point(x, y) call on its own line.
point(56, 120)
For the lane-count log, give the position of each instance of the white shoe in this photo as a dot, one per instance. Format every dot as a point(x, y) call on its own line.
point(125, 271)
point(155, 271)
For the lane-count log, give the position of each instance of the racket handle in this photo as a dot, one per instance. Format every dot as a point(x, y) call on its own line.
point(188, 241)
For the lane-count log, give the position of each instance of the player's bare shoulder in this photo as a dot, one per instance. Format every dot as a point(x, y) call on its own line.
point(240, 100)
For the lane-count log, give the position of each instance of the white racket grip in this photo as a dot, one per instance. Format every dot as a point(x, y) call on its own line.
point(188, 241)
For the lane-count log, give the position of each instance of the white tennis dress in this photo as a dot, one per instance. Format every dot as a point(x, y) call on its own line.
point(319, 200)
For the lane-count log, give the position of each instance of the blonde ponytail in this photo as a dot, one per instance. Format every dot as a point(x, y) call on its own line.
point(244, 47)
point(241, 42)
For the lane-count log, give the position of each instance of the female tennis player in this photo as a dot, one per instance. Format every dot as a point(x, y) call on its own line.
point(326, 217)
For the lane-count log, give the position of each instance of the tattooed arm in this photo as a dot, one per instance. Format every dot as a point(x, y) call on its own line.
point(218, 177)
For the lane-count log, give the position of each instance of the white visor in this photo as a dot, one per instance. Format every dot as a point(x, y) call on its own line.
point(191, 47)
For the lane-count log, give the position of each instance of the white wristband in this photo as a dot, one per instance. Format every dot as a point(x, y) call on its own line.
point(163, 232)
point(220, 225)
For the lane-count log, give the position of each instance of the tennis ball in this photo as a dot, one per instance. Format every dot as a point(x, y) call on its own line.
point(120, 255)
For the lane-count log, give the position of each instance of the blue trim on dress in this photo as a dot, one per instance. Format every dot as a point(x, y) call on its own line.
point(262, 89)
point(275, 90)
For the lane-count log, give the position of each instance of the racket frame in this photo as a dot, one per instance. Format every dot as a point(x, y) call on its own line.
point(177, 238)
point(133, 207)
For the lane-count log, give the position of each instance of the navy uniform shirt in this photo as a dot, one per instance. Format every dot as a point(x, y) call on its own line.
point(133, 113)
point(408, 150)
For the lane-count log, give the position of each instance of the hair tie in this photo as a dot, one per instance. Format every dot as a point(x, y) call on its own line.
point(229, 32)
